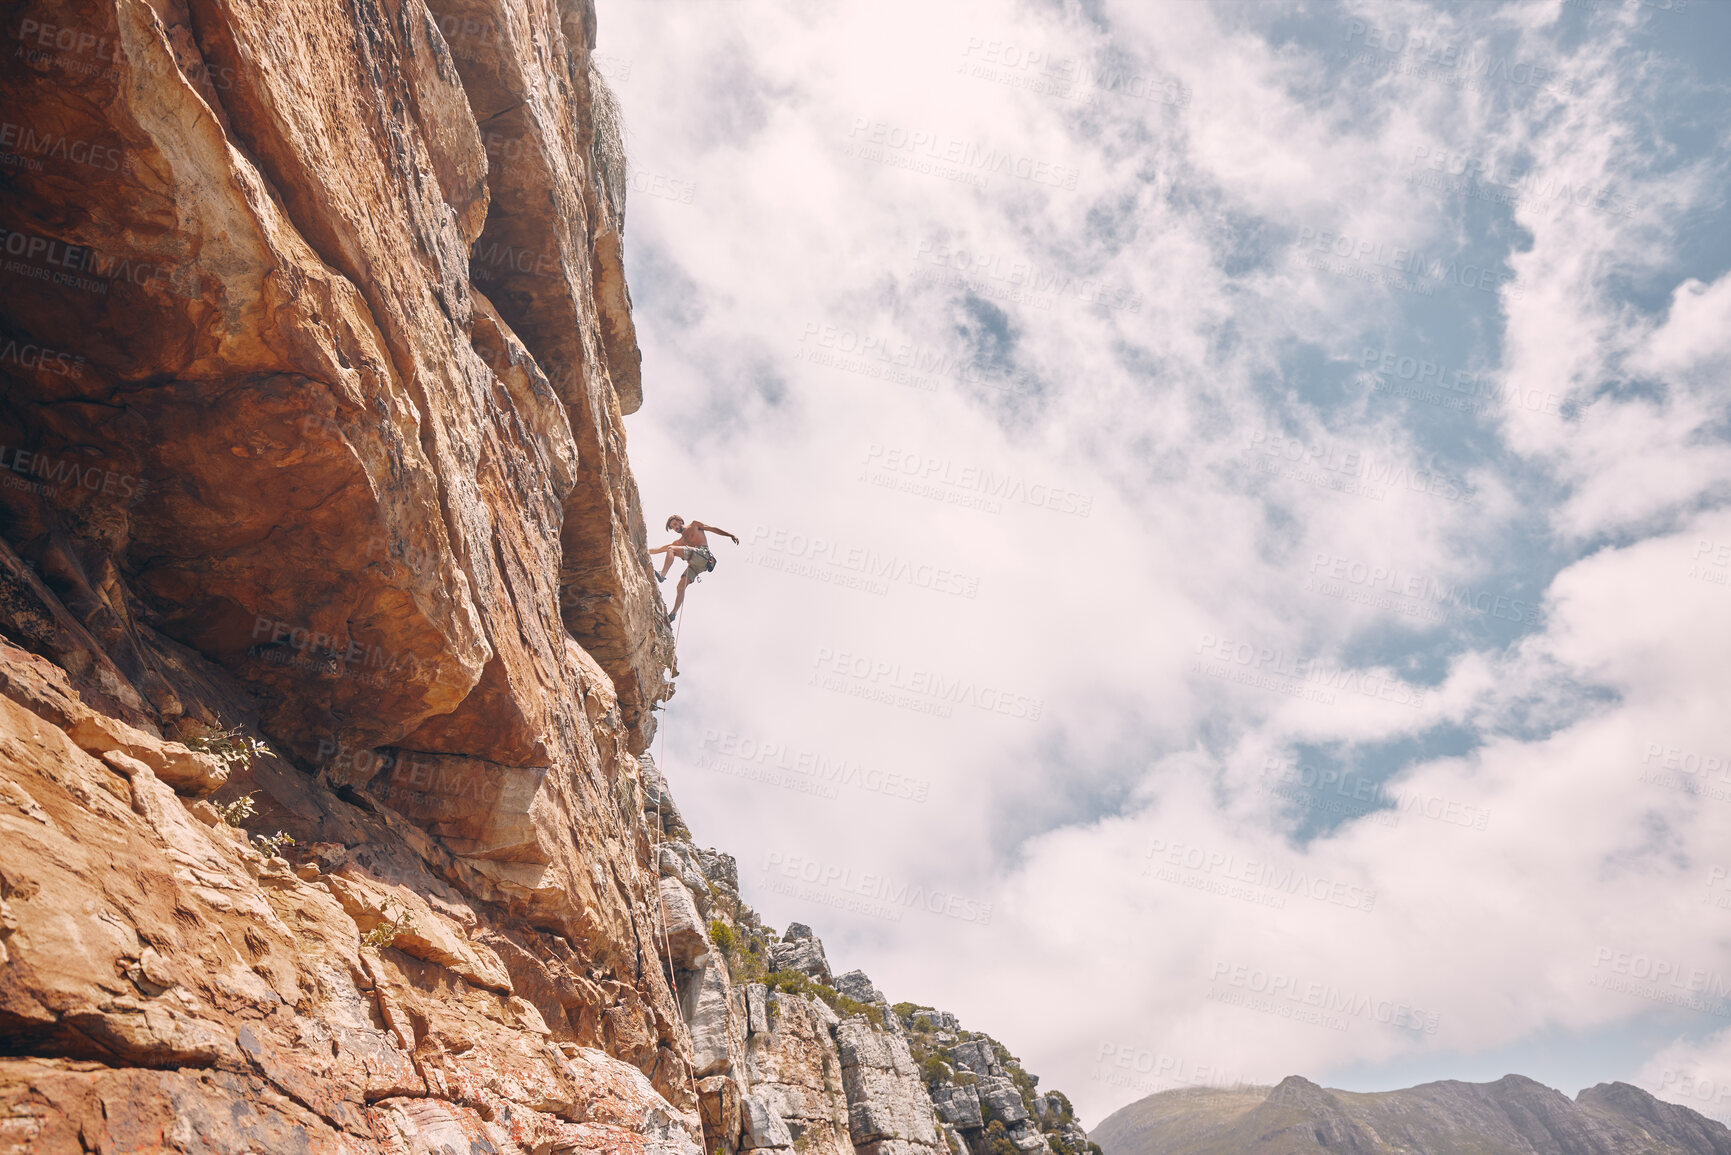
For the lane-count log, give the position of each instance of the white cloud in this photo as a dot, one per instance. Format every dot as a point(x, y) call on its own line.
point(883, 319)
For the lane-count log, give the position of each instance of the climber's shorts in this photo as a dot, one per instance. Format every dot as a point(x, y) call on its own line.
point(698, 561)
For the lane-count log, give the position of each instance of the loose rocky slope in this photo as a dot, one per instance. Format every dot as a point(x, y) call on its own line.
point(329, 652)
point(1512, 1116)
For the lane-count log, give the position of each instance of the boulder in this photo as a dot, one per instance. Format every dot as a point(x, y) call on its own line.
point(677, 861)
point(935, 1021)
point(687, 936)
point(1000, 1100)
point(855, 985)
point(1072, 1137)
point(803, 954)
point(763, 1127)
point(720, 869)
point(183, 769)
point(958, 1106)
point(976, 1055)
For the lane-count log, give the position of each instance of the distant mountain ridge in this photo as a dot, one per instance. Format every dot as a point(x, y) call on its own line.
point(1512, 1116)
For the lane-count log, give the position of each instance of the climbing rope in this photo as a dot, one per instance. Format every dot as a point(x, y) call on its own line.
point(666, 942)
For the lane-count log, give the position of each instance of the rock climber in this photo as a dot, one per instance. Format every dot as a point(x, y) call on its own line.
point(692, 546)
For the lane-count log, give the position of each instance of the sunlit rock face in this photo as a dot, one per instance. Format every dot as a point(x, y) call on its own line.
point(316, 495)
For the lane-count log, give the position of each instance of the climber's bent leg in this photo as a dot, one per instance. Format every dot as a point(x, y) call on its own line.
point(679, 597)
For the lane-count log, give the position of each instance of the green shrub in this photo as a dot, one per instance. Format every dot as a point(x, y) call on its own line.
point(798, 983)
point(238, 811)
point(996, 1141)
point(793, 982)
point(722, 936)
point(385, 934)
point(934, 1071)
point(268, 845)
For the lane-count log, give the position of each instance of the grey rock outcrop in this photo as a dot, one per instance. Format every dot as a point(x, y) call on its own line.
point(763, 1128)
point(1000, 1100)
point(722, 870)
point(855, 985)
point(777, 1070)
point(958, 1106)
point(679, 860)
point(803, 954)
point(794, 1068)
point(887, 1102)
point(687, 938)
point(756, 1009)
point(937, 1021)
point(705, 1003)
point(976, 1055)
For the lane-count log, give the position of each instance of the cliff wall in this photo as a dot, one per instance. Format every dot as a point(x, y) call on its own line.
point(329, 652)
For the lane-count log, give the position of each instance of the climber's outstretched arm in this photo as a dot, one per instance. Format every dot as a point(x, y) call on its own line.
point(716, 529)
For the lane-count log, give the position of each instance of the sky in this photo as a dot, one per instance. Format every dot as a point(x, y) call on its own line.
point(1234, 506)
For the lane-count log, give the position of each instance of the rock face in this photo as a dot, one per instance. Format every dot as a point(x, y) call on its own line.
point(801, 951)
point(855, 985)
point(1513, 1115)
point(329, 645)
point(888, 1107)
